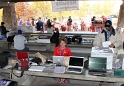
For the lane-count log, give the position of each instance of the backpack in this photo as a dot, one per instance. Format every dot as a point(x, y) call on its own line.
point(55, 37)
point(7, 53)
point(69, 40)
point(77, 39)
point(10, 39)
point(3, 60)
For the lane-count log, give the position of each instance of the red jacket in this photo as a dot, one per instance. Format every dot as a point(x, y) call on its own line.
point(64, 52)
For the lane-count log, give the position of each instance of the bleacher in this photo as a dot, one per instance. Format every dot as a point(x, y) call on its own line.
point(47, 48)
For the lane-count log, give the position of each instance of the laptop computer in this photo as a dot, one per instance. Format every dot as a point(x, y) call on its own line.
point(97, 66)
point(58, 59)
point(76, 64)
point(36, 68)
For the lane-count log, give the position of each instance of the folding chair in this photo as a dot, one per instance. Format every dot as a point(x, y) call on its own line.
point(23, 58)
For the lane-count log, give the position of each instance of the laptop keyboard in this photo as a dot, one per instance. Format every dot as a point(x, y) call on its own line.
point(74, 69)
point(98, 71)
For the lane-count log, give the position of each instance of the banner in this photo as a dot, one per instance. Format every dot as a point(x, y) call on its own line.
point(58, 6)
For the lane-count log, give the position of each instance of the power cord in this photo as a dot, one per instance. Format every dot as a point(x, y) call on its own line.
point(16, 67)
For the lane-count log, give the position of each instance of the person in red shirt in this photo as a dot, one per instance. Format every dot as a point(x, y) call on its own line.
point(62, 50)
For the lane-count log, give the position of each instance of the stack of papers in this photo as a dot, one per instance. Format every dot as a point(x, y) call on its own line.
point(60, 69)
point(106, 44)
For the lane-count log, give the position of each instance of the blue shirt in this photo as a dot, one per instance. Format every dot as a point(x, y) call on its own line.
point(108, 35)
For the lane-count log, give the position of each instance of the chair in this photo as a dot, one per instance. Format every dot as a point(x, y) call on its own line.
point(22, 55)
point(23, 59)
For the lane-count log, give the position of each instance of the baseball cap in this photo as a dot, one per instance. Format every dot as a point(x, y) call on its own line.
point(108, 23)
point(19, 31)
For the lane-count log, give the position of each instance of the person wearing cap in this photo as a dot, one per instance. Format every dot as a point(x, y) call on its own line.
point(93, 20)
point(3, 29)
point(19, 42)
point(108, 34)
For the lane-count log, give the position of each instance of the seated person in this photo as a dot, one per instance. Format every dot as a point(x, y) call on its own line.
point(108, 34)
point(62, 50)
point(3, 29)
point(19, 42)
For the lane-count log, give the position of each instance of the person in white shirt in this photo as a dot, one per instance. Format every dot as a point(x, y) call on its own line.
point(19, 42)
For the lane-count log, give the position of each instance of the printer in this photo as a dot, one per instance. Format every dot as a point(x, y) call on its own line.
point(105, 52)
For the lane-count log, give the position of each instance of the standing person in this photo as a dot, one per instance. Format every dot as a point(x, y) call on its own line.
point(62, 50)
point(93, 20)
point(104, 19)
point(49, 30)
point(32, 22)
point(39, 25)
point(69, 23)
point(28, 23)
point(19, 42)
point(3, 30)
point(45, 22)
point(20, 22)
point(108, 34)
point(83, 26)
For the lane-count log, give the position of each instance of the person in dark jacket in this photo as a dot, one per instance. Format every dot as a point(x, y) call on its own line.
point(3, 29)
point(39, 25)
point(93, 20)
point(49, 23)
point(55, 37)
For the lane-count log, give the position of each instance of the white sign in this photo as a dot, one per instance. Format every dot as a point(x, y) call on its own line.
point(58, 6)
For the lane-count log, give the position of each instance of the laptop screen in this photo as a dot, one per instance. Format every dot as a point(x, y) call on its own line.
point(97, 63)
point(76, 61)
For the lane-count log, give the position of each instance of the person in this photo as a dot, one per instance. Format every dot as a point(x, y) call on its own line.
point(49, 25)
point(39, 25)
point(104, 19)
point(28, 23)
point(108, 34)
point(32, 22)
point(3, 30)
point(93, 20)
point(69, 23)
point(83, 26)
point(55, 37)
point(19, 42)
point(62, 50)
point(20, 22)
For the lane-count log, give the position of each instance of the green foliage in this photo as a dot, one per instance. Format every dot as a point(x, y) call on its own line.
point(103, 9)
point(41, 9)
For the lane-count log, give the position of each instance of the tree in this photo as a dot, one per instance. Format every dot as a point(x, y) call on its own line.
point(41, 9)
point(22, 10)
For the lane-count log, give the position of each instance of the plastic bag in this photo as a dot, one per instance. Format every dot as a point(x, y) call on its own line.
point(66, 60)
point(42, 57)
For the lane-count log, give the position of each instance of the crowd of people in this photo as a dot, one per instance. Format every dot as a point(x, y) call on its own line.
point(65, 24)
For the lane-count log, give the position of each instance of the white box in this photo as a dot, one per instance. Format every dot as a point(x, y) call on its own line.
point(27, 28)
